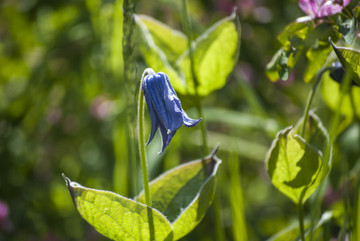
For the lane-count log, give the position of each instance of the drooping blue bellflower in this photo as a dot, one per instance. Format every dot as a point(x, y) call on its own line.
point(166, 113)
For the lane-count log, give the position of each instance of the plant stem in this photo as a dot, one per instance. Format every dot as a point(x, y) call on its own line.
point(203, 130)
point(311, 98)
point(142, 140)
point(301, 220)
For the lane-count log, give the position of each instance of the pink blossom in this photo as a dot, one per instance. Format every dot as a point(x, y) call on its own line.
point(322, 8)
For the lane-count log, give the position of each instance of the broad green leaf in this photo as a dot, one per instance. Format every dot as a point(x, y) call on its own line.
point(172, 42)
point(317, 57)
point(215, 55)
point(157, 59)
point(295, 167)
point(117, 217)
point(294, 28)
point(331, 93)
point(348, 30)
point(184, 193)
point(315, 133)
point(350, 60)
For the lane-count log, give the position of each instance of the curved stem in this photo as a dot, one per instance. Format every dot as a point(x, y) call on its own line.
point(142, 140)
point(301, 220)
point(310, 99)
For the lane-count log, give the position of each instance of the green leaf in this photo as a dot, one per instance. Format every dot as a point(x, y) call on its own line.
point(295, 167)
point(215, 55)
point(350, 60)
point(348, 30)
point(279, 66)
point(172, 42)
point(184, 193)
point(156, 58)
point(317, 57)
point(272, 67)
point(315, 133)
point(117, 217)
point(331, 93)
point(292, 40)
point(294, 28)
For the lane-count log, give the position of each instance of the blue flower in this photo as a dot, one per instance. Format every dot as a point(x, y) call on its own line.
point(164, 107)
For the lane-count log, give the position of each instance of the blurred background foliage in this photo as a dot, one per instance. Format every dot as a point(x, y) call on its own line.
point(67, 98)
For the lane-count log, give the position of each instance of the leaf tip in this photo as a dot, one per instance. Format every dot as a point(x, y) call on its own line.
point(68, 184)
point(213, 152)
point(214, 160)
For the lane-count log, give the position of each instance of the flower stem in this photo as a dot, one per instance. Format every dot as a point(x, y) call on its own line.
point(142, 140)
point(301, 220)
point(311, 98)
point(203, 130)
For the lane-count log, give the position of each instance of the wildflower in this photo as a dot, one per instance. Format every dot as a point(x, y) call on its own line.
point(322, 8)
point(164, 107)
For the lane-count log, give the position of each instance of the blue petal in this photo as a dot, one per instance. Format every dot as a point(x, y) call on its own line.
point(153, 117)
point(166, 137)
point(188, 122)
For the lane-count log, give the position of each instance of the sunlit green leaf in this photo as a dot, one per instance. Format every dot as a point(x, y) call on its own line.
point(295, 167)
point(184, 193)
point(215, 55)
point(317, 57)
point(294, 28)
point(117, 217)
point(172, 42)
point(156, 58)
point(315, 133)
point(350, 60)
point(331, 92)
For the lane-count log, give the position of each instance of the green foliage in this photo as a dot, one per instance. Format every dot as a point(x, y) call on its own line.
point(331, 93)
point(317, 57)
point(184, 193)
point(215, 54)
point(350, 60)
point(180, 199)
point(292, 40)
point(117, 217)
point(295, 166)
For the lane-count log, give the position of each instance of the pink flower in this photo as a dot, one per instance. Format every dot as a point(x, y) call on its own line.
point(322, 8)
